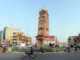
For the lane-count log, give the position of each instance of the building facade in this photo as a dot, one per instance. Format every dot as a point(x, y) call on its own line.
point(1, 36)
point(71, 41)
point(18, 38)
point(28, 40)
point(74, 40)
point(12, 36)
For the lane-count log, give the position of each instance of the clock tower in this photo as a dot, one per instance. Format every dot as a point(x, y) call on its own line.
point(43, 27)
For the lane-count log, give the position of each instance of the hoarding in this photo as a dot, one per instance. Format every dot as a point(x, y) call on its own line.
point(48, 41)
point(20, 36)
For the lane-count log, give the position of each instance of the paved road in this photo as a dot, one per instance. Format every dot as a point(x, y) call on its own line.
point(44, 56)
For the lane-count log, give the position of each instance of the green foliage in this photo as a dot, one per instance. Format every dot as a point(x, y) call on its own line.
point(20, 49)
point(48, 49)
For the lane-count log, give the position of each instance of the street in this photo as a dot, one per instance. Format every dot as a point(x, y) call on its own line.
point(42, 56)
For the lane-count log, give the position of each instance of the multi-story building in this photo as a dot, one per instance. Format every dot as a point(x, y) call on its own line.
point(56, 42)
point(62, 44)
point(28, 40)
point(18, 38)
point(1, 36)
point(11, 36)
point(8, 34)
point(15, 38)
point(73, 40)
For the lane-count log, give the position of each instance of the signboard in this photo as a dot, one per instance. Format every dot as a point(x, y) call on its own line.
point(20, 37)
point(23, 44)
point(49, 40)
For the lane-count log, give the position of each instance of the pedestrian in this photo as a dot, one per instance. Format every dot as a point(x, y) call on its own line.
point(75, 49)
point(4, 50)
point(79, 47)
point(68, 49)
point(50, 45)
point(64, 49)
point(31, 51)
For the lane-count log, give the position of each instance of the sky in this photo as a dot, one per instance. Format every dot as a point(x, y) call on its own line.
point(64, 16)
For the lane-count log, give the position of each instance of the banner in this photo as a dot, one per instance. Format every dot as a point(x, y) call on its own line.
point(49, 40)
point(20, 37)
